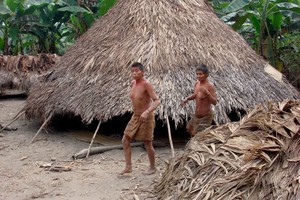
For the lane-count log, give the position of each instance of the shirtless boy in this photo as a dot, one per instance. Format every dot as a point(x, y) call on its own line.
point(205, 96)
point(141, 125)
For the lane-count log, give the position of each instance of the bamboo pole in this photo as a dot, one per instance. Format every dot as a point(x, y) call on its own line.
point(14, 119)
point(170, 136)
point(43, 125)
point(88, 153)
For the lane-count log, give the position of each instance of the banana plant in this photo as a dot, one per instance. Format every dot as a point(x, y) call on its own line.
point(12, 22)
point(262, 22)
point(43, 24)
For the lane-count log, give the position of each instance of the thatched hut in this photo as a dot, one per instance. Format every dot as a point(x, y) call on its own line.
point(20, 72)
point(255, 158)
point(171, 38)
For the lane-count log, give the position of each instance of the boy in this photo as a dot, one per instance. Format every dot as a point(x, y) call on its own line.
point(141, 125)
point(205, 96)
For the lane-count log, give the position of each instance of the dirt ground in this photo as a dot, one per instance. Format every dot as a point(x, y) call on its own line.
point(45, 169)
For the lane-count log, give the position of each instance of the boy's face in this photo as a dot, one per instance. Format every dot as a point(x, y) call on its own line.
point(137, 73)
point(201, 76)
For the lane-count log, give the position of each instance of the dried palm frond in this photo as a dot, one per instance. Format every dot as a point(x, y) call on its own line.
point(255, 158)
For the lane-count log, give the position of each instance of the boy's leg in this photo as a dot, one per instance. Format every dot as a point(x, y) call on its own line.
point(151, 156)
point(127, 154)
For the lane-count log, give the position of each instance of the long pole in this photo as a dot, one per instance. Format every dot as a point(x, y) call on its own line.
point(170, 136)
point(44, 124)
point(88, 153)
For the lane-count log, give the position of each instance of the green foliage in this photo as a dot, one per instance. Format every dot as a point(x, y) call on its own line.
point(105, 5)
point(36, 26)
point(269, 26)
point(289, 54)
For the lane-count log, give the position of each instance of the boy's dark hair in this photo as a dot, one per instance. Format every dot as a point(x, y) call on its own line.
point(138, 65)
point(202, 68)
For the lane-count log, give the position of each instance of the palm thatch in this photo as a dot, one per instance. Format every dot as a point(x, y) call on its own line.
point(255, 158)
point(22, 71)
point(170, 38)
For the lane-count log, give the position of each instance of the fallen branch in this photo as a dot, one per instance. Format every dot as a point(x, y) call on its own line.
point(95, 150)
point(59, 168)
point(8, 128)
point(48, 166)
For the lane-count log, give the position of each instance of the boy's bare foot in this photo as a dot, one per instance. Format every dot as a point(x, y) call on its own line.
point(127, 169)
point(150, 171)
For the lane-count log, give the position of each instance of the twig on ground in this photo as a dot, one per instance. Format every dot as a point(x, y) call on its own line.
point(1, 148)
point(14, 119)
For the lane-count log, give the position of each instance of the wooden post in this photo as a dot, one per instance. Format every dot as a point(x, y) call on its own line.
point(43, 125)
point(170, 136)
point(88, 153)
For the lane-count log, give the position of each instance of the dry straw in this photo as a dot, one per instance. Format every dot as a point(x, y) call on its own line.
point(255, 158)
point(22, 71)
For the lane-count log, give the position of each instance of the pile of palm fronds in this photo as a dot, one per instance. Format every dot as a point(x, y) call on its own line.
point(255, 158)
point(21, 71)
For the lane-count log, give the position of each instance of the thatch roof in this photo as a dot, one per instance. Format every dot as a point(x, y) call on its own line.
point(255, 158)
point(22, 71)
point(170, 38)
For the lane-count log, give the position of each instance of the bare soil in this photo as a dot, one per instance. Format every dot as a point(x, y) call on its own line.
point(45, 169)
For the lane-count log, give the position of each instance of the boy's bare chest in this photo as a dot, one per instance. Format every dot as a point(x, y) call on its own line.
point(138, 93)
point(200, 94)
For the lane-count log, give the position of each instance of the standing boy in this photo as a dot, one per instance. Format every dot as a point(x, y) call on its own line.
point(141, 125)
point(205, 96)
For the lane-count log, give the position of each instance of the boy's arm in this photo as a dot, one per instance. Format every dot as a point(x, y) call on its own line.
point(211, 94)
point(153, 96)
point(192, 96)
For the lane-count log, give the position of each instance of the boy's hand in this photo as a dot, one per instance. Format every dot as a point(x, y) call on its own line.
point(183, 102)
point(204, 90)
point(144, 115)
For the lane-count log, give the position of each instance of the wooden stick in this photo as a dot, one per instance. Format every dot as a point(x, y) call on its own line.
point(44, 124)
point(14, 119)
point(88, 153)
point(170, 136)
